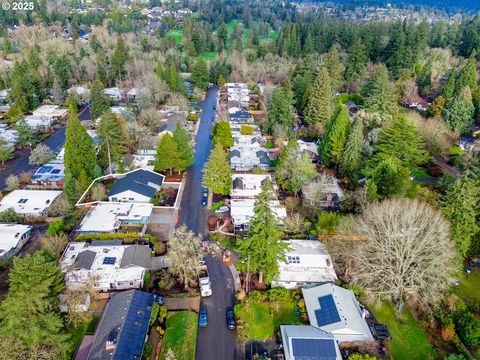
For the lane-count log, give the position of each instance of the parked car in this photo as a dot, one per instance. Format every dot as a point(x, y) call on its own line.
point(159, 299)
point(230, 318)
point(222, 209)
point(380, 331)
point(204, 201)
point(203, 317)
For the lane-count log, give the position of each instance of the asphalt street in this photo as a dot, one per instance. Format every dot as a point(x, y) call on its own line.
point(215, 342)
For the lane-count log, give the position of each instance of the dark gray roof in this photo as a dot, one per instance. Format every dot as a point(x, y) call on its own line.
point(138, 255)
point(85, 259)
point(124, 325)
point(238, 183)
point(234, 153)
point(314, 349)
point(137, 181)
point(263, 157)
point(113, 242)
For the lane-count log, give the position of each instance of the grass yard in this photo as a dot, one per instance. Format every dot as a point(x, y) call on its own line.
point(177, 34)
point(455, 150)
point(180, 335)
point(469, 285)
point(421, 173)
point(408, 342)
point(261, 320)
point(76, 334)
point(209, 55)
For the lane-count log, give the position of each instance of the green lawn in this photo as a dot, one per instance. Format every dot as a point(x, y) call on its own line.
point(76, 334)
point(261, 320)
point(208, 56)
point(180, 335)
point(408, 342)
point(421, 173)
point(177, 34)
point(455, 150)
point(469, 285)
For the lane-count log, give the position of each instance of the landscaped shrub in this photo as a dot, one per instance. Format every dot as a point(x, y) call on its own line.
point(159, 247)
point(279, 293)
point(468, 327)
point(10, 215)
point(147, 350)
point(217, 205)
point(154, 314)
point(162, 315)
point(165, 280)
point(146, 279)
point(55, 227)
point(246, 130)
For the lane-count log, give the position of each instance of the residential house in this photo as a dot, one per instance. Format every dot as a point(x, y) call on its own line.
point(12, 238)
point(237, 129)
point(323, 192)
point(105, 217)
point(308, 263)
point(240, 117)
point(38, 123)
point(54, 112)
point(50, 175)
point(240, 140)
point(122, 330)
point(310, 148)
point(468, 142)
point(335, 310)
point(247, 158)
point(241, 211)
point(247, 186)
point(352, 107)
point(9, 135)
point(302, 342)
point(114, 93)
point(137, 186)
point(107, 266)
point(32, 203)
point(132, 95)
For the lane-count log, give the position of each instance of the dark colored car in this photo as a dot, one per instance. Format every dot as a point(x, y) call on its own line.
point(204, 201)
point(203, 317)
point(159, 299)
point(230, 318)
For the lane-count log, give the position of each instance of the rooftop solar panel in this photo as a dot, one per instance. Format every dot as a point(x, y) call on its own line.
point(55, 171)
point(327, 314)
point(314, 349)
point(109, 260)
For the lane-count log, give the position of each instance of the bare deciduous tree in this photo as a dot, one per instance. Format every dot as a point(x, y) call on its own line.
point(185, 252)
point(406, 251)
point(40, 155)
point(295, 224)
point(54, 244)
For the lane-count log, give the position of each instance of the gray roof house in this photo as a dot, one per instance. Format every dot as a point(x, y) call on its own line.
point(247, 158)
point(122, 330)
point(137, 186)
point(308, 343)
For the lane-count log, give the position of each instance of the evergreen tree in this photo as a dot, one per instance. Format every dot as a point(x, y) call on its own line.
point(356, 62)
point(6, 152)
point(200, 74)
point(449, 88)
point(113, 138)
point(25, 134)
point(222, 36)
point(352, 155)
point(99, 103)
point(222, 133)
point(263, 248)
point(378, 92)
point(438, 106)
point(468, 76)
point(171, 75)
point(308, 47)
point(331, 147)
point(58, 93)
point(390, 176)
point(168, 155)
point(37, 278)
point(159, 70)
point(217, 173)
point(401, 140)
point(295, 169)
point(461, 207)
point(335, 67)
point(280, 109)
point(319, 108)
point(119, 58)
point(182, 139)
point(459, 113)
point(396, 50)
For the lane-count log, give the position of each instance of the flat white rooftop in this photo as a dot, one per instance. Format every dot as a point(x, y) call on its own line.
point(242, 210)
point(106, 217)
point(51, 111)
point(11, 235)
point(29, 202)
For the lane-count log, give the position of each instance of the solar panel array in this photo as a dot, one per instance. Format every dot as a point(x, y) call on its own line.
point(314, 349)
point(327, 314)
point(135, 327)
point(109, 260)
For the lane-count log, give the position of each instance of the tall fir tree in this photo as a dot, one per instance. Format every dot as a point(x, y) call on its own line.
point(335, 67)
point(114, 138)
point(468, 76)
point(169, 157)
point(217, 173)
point(119, 58)
point(319, 108)
point(379, 93)
point(333, 143)
point(222, 133)
point(449, 88)
point(280, 109)
point(200, 75)
point(99, 103)
point(352, 155)
point(461, 207)
point(390, 177)
point(459, 112)
point(263, 248)
point(356, 62)
point(182, 139)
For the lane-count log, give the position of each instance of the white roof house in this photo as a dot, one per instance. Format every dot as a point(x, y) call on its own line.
point(241, 211)
point(308, 263)
point(114, 93)
point(29, 202)
point(12, 238)
point(302, 342)
point(247, 185)
point(54, 112)
point(51, 173)
point(9, 135)
point(38, 122)
point(324, 192)
point(334, 309)
point(248, 157)
point(107, 217)
point(108, 267)
point(79, 90)
point(248, 140)
point(311, 148)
